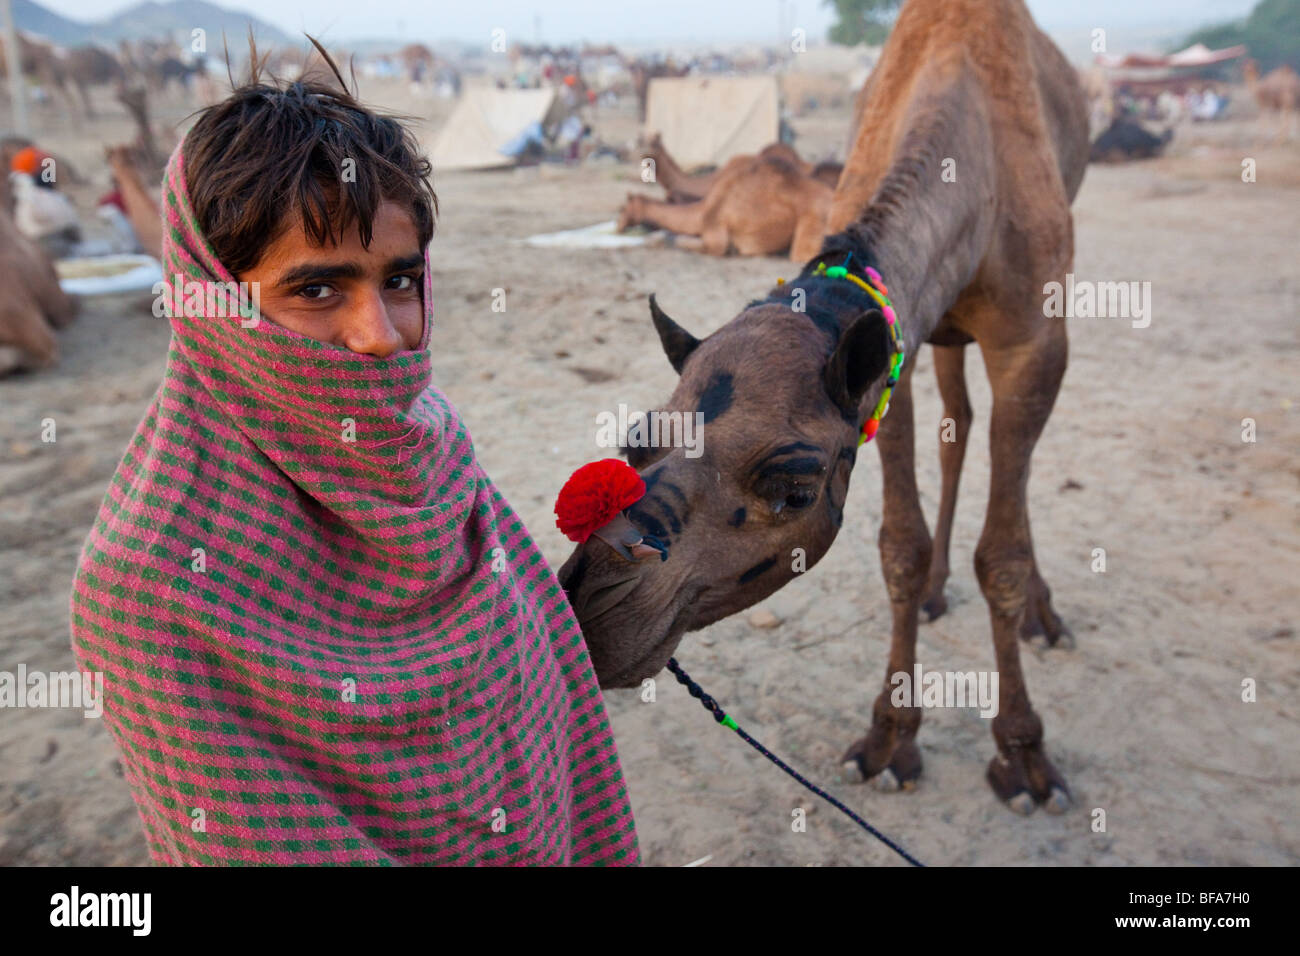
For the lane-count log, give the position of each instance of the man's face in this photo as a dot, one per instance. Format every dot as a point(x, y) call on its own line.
point(365, 300)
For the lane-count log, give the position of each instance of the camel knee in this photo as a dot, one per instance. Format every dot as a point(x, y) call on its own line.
point(962, 415)
point(1004, 574)
point(905, 562)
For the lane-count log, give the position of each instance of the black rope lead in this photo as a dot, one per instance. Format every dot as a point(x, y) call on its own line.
point(721, 717)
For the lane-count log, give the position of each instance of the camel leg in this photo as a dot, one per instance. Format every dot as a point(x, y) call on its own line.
point(950, 370)
point(142, 209)
point(888, 756)
point(809, 232)
point(1025, 379)
point(685, 218)
point(86, 103)
point(23, 328)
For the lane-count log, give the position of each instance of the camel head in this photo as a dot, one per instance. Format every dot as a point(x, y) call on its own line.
point(754, 498)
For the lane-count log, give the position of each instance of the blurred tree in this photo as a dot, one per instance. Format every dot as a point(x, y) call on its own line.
point(1271, 34)
point(862, 21)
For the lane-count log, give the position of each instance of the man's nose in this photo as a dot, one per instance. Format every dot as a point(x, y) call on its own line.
point(369, 330)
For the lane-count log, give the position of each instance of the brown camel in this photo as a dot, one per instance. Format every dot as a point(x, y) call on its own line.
point(1277, 93)
point(89, 66)
point(135, 98)
point(756, 206)
point(42, 63)
point(685, 187)
point(784, 388)
point(32, 305)
point(643, 72)
point(141, 202)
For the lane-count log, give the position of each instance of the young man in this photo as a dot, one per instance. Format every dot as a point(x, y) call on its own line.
point(325, 636)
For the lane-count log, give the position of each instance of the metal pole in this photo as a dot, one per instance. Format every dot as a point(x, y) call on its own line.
point(14, 60)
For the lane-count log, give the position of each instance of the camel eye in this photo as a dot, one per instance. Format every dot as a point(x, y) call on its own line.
point(800, 499)
point(794, 500)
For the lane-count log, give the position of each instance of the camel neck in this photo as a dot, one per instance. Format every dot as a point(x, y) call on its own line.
point(925, 221)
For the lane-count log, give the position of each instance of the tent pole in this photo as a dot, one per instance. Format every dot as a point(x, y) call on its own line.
point(14, 59)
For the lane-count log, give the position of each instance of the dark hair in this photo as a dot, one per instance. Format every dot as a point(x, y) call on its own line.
point(272, 151)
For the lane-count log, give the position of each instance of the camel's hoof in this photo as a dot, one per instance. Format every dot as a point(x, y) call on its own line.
point(935, 607)
point(851, 772)
point(1058, 801)
point(885, 782)
point(1022, 803)
point(1064, 640)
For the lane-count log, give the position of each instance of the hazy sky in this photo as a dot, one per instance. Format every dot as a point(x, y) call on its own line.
point(641, 20)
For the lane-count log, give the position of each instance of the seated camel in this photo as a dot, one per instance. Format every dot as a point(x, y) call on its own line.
point(32, 305)
point(685, 187)
point(754, 206)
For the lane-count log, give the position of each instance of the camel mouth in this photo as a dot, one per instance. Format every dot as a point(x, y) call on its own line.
point(655, 657)
point(645, 666)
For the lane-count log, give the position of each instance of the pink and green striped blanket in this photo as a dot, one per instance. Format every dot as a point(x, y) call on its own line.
point(330, 651)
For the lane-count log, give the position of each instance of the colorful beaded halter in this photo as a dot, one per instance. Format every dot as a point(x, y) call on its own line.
point(874, 286)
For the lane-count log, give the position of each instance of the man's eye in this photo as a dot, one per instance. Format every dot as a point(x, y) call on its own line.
point(402, 283)
point(317, 291)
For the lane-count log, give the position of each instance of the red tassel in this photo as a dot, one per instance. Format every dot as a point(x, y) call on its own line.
point(594, 495)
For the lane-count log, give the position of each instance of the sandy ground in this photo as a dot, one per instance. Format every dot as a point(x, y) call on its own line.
point(1143, 457)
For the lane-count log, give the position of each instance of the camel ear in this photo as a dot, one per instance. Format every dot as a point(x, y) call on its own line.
point(677, 342)
point(860, 358)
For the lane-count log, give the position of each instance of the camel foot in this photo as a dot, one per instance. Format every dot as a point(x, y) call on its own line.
point(1026, 780)
point(1041, 620)
point(935, 606)
point(887, 769)
point(625, 221)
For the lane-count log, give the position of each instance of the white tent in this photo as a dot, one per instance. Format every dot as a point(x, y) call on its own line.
point(486, 119)
point(705, 120)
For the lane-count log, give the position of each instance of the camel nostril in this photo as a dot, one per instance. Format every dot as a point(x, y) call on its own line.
point(654, 545)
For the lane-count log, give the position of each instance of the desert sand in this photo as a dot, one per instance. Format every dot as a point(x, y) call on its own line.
point(1143, 457)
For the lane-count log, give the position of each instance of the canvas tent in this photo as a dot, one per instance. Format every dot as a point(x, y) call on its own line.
point(485, 121)
point(705, 120)
point(1194, 57)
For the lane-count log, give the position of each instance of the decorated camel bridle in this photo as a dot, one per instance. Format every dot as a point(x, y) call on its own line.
point(874, 286)
point(592, 502)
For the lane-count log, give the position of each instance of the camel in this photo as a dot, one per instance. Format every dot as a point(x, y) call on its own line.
point(1277, 93)
point(787, 387)
point(39, 60)
point(755, 206)
point(141, 202)
point(643, 72)
point(33, 305)
point(87, 66)
point(684, 187)
point(417, 62)
point(135, 99)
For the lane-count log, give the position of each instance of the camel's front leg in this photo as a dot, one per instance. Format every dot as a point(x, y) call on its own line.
point(1025, 379)
point(684, 218)
point(888, 756)
point(949, 369)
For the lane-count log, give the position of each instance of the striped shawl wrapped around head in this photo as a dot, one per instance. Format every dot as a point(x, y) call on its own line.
point(325, 636)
